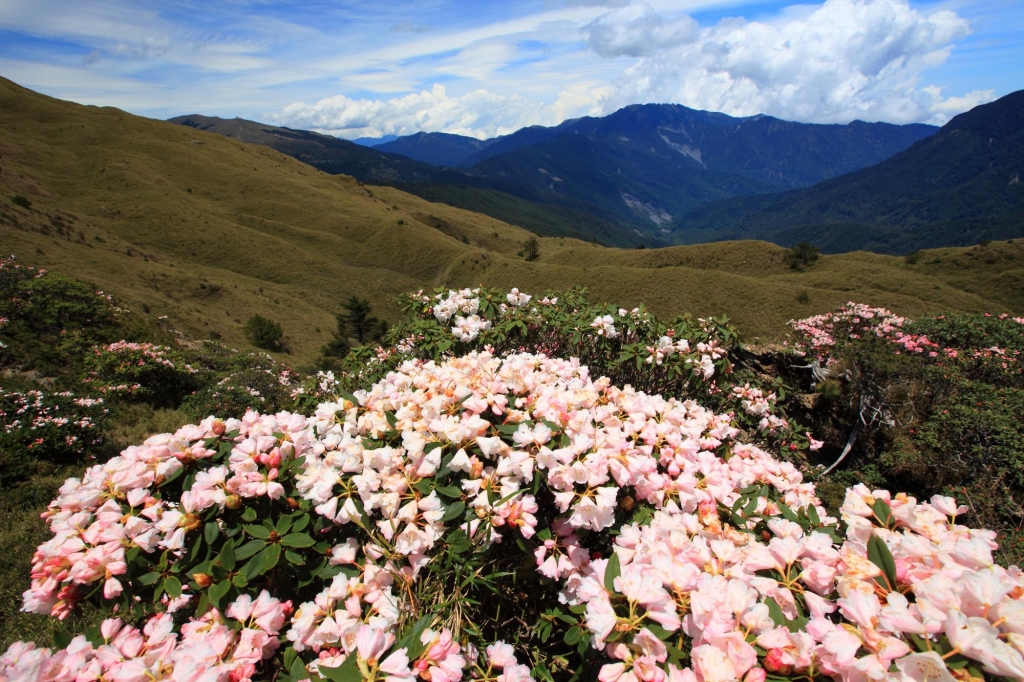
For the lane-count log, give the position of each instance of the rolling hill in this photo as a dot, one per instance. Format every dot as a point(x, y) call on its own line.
point(209, 231)
point(959, 187)
point(521, 205)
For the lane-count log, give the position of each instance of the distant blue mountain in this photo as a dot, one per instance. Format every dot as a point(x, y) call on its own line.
point(374, 141)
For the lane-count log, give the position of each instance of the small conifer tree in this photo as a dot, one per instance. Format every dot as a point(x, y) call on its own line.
point(263, 332)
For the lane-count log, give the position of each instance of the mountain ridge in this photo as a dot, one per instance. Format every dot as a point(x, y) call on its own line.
point(958, 187)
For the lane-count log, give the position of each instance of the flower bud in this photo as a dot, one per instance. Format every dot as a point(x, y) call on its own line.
point(219, 428)
point(202, 580)
point(191, 522)
point(775, 662)
point(233, 502)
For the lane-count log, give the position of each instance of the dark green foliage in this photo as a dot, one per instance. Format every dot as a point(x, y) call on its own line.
point(358, 322)
point(801, 256)
point(19, 200)
point(263, 332)
point(531, 249)
point(954, 423)
point(913, 257)
point(51, 320)
point(160, 376)
point(233, 395)
point(41, 430)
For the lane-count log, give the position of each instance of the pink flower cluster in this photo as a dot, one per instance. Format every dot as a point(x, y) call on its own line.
point(57, 418)
point(820, 333)
point(736, 561)
point(213, 647)
point(143, 351)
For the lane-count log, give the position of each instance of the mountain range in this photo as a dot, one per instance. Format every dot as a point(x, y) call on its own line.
point(623, 179)
point(960, 186)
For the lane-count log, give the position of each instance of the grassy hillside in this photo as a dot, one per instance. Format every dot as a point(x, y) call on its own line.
point(209, 231)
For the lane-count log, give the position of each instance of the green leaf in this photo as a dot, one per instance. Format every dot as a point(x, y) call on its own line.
point(271, 555)
point(218, 590)
point(297, 670)
point(258, 532)
point(172, 586)
point(573, 635)
point(775, 612)
point(787, 512)
point(540, 671)
point(249, 515)
point(453, 511)
point(392, 419)
point(248, 549)
point(253, 566)
point(349, 397)
point(879, 555)
point(883, 514)
point(227, 556)
point(283, 525)
point(411, 639)
point(300, 523)
point(61, 639)
point(211, 531)
point(239, 581)
point(611, 572)
point(346, 672)
point(149, 578)
point(298, 540)
point(449, 491)
point(294, 558)
point(458, 541)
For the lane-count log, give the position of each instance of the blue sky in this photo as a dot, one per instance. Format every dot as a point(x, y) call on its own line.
point(486, 67)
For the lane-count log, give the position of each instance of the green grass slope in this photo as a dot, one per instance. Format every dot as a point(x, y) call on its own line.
point(210, 231)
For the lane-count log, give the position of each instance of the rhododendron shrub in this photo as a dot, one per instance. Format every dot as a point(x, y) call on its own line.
point(145, 372)
point(506, 518)
point(686, 357)
point(37, 426)
point(939, 400)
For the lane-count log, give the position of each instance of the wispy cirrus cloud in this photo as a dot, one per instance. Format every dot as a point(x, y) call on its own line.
point(490, 67)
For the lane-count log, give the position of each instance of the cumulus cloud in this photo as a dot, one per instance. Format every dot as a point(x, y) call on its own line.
point(636, 30)
point(478, 114)
point(842, 60)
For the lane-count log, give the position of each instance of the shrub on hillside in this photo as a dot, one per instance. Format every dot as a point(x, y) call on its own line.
point(263, 332)
point(801, 256)
point(39, 429)
point(248, 389)
point(141, 372)
point(20, 200)
point(47, 320)
point(939, 403)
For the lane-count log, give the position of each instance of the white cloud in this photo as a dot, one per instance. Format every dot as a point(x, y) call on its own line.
point(637, 30)
point(477, 114)
point(839, 61)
